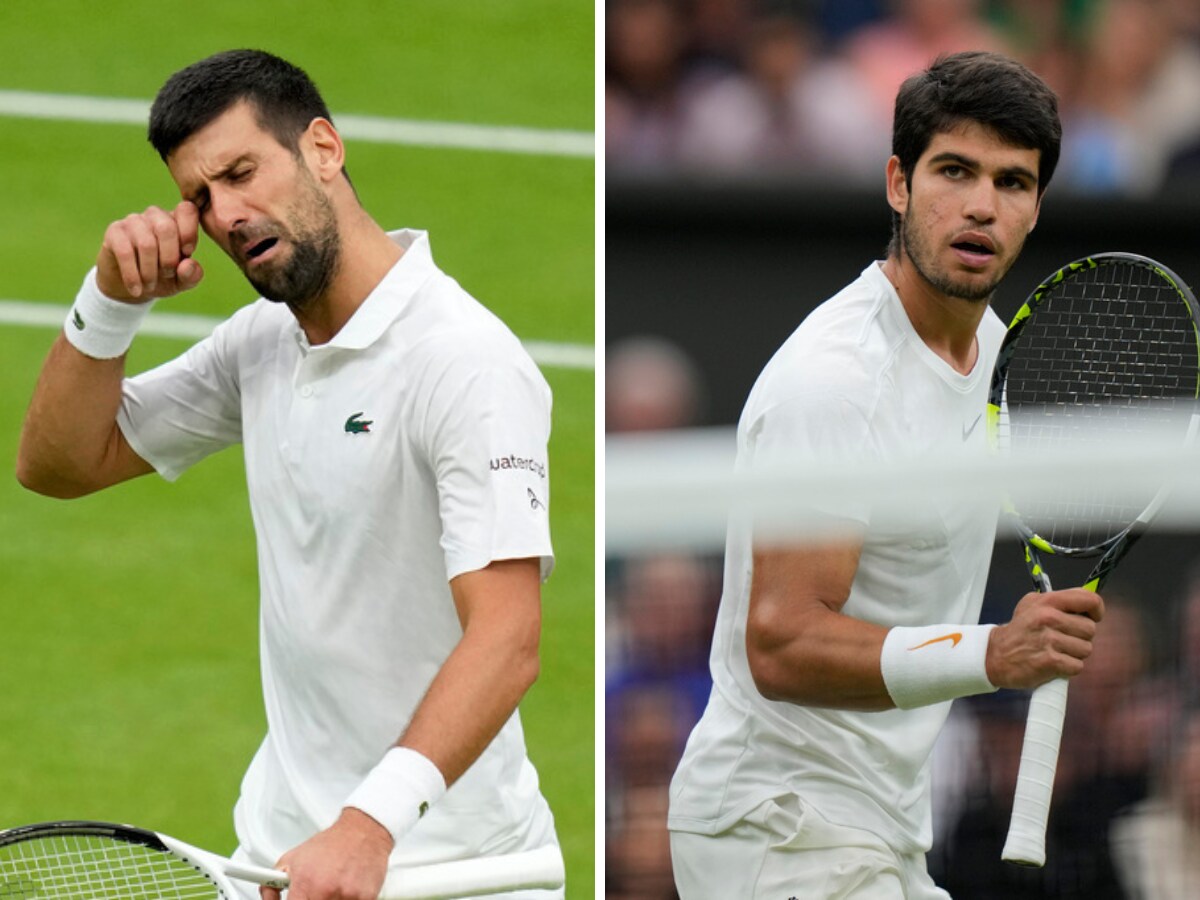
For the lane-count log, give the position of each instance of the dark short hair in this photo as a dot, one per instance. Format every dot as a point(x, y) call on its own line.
point(284, 98)
point(986, 88)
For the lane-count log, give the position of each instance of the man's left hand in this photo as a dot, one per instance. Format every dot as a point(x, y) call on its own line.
point(347, 861)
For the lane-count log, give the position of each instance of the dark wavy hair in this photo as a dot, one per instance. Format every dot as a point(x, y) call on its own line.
point(285, 100)
point(986, 88)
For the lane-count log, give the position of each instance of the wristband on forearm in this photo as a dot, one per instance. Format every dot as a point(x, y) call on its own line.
point(398, 791)
point(934, 663)
point(100, 327)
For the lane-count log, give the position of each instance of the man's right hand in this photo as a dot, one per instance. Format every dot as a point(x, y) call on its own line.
point(1049, 637)
point(148, 255)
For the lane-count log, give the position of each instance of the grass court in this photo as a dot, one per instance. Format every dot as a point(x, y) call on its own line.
point(129, 686)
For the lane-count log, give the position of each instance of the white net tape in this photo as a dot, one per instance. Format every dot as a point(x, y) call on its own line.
point(675, 490)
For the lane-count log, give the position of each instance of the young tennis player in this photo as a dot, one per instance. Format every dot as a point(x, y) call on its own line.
point(834, 664)
point(395, 437)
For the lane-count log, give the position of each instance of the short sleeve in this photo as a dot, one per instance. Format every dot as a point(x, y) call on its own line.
point(177, 414)
point(813, 429)
point(489, 430)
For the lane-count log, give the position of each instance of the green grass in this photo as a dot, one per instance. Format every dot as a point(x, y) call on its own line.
point(128, 645)
point(506, 62)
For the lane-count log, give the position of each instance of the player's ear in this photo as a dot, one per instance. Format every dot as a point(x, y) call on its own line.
point(323, 149)
point(897, 186)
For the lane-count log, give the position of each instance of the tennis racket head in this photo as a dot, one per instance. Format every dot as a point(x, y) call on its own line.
point(1106, 349)
point(99, 860)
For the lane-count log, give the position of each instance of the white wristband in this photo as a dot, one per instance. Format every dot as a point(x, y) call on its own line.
point(934, 663)
point(398, 791)
point(100, 327)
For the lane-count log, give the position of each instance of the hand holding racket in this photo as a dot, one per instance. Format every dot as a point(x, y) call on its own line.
point(103, 860)
point(1105, 349)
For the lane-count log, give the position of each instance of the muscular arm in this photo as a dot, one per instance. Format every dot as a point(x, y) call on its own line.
point(70, 443)
point(496, 662)
point(802, 649)
point(800, 646)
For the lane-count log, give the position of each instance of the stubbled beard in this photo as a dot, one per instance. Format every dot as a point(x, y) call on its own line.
point(922, 258)
point(316, 251)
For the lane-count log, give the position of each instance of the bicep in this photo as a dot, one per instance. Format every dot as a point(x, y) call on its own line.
point(790, 584)
point(505, 595)
point(800, 647)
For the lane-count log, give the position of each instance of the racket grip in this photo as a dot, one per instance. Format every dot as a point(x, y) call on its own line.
point(1026, 843)
point(527, 870)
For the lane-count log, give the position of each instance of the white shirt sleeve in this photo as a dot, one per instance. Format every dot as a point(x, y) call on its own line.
point(814, 428)
point(487, 439)
point(175, 415)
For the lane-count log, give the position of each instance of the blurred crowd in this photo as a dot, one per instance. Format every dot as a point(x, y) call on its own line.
point(1126, 819)
point(804, 88)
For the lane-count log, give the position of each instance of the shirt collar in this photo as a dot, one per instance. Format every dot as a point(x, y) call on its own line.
point(389, 298)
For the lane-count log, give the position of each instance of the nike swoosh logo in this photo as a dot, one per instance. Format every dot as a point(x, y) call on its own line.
point(967, 431)
point(954, 637)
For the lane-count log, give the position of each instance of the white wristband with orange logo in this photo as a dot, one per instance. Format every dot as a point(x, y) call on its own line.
point(934, 663)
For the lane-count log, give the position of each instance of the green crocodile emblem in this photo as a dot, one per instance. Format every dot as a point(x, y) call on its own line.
point(355, 425)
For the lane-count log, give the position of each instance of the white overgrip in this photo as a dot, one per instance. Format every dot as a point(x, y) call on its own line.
point(1026, 843)
point(529, 870)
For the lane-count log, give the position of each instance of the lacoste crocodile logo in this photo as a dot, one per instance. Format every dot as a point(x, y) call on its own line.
point(356, 425)
point(77, 320)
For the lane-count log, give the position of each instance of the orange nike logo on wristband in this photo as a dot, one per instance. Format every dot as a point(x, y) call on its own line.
point(954, 636)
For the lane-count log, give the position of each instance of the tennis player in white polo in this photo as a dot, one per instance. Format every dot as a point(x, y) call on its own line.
point(834, 664)
point(395, 437)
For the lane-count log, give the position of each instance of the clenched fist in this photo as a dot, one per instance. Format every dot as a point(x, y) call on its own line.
point(1050, 636)
point(148, 255)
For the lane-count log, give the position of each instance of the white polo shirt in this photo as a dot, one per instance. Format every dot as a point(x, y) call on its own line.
point(409, 449)
point(854, 381)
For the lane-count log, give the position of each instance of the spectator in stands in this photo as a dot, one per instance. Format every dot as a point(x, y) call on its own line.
point(1154, 845)
point(1138, 99)
point(658, 684)
point(668, 605)
point(886, 52)
point(645, 47)
point(790, 110)
point(650, 384)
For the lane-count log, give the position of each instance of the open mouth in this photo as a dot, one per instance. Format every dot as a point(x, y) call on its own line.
point(254, 251)
point(972, 247)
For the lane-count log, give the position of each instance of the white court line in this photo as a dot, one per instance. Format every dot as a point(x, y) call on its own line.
point(377, 129)
point(186, 326)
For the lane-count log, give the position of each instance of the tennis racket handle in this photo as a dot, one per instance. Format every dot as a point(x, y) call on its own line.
point(1026, 843)
point(527, 870)
point(524, 871)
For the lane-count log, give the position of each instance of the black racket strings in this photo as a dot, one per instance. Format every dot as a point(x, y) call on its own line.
point(1109, 354)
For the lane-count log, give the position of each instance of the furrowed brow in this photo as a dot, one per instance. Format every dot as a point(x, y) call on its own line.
point(201, 192)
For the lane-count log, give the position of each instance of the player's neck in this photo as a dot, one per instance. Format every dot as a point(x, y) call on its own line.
point(367, 255)
point(946, 324)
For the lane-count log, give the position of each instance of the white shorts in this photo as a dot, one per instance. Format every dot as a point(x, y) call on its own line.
point(784, 850)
